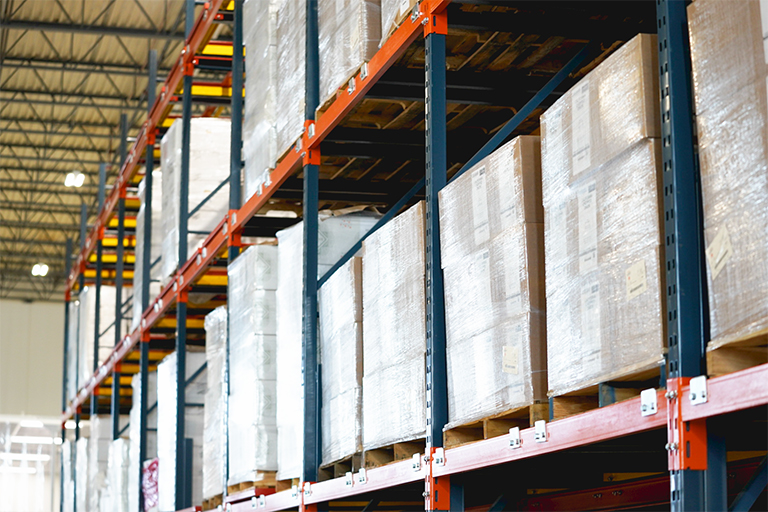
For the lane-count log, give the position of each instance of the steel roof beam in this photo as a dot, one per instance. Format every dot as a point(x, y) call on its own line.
point(60, 134)
point(107, 68)
point(46, 208)
point(37, 169)
point(78, 161)
point(55, 147)
point(56, 122)
point(63, 104)
point(87, 193)
point(69, 94)
point(90, 29)
point(38, 225)
point(28, 241)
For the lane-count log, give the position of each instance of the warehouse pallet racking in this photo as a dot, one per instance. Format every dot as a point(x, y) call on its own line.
point(696, 433)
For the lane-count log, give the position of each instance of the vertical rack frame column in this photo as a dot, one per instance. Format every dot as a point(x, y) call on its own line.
point(118, 280)
point(97, 287)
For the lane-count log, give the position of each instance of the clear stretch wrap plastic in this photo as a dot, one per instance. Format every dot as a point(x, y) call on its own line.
point(213, 435)
point(728, 53)
point(341, 353)
point(349, 35)
point(118, 467)
point(208, 167)
point(157, 243)
point(86, 328)
point(394, 331)
point(336, 235)
point(492, 239)
point(72, 349)
point(68, 493)
point(252, 401)
point(134, 435)
point(81, 475)
point(612, 107)
point(166, 425)
point(291, 73)
point(259, 122)
point(98, 458)
point(392, 12)
point(605, 308)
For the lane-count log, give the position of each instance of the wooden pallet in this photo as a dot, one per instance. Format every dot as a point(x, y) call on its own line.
point(263, 479)
point(285, 485)
point(393, 453)
point(615, 388)
point(733, 354)
point(496, 425)
point(212, 503)
point(341, 467)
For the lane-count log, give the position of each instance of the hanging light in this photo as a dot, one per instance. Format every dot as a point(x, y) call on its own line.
point(40, 270)
point(74, 179)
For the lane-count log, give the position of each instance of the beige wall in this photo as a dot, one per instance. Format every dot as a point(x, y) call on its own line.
point(31, 352)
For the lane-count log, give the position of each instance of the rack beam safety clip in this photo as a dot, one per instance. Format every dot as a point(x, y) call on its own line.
point(686, 440)
point(234, 236)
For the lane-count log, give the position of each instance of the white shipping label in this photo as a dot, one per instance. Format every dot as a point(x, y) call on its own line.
point(590, 326)
point(508, 193)
point(480, 206)
point(636, 280)
point(719, 252)
point(512, 277)
point(587, 198)
point(404, 6)
point(557, 239)
point(581, 130)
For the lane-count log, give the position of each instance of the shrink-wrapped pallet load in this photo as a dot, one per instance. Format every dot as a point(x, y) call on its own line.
point(82, 486)
point(259, 122)
point(341, 354)
point(117, 475)
point(154, 251)
point(209, 151)
point(394, 331)
point(349, 32)
point(168, 461)
point(336, 235)
point(87, 328)
point(393, 12)
point(215, 395)
point(253, 433)
point(134, 435)
point(492, 250)
point(98, 458)
point(603, 236)
point(73, 378)
point(291, 72)
point(68, 492)
point(729, 57)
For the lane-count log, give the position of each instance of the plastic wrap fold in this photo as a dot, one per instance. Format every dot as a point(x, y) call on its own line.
point(492, 240)
point(392, 13)
point(166, 425)
point(209, 151)
point(259, 122)
point(213, 424)
point(349, 35)
point(341, 357)
point(729, 63)
point(73, 377)
point(98, 459)
point(252, 403)
point(87, 332)
point(81, 475)
point(291, 71)
point(394, 331)
point(156, 245)
point(135, 462)
point(336, 235)
point(117, 471)
point(68, 467)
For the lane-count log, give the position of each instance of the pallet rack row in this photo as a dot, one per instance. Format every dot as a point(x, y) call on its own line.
point(696, 483)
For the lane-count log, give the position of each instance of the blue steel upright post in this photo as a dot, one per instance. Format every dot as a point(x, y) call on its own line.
point(693, 487)
point(65, 370)
point(80, 286)
point(119, 280)
point(97, 287)
point(436, 495)
point(183, 496)
point(146, 256)
point(235, 172)
point(310, 369)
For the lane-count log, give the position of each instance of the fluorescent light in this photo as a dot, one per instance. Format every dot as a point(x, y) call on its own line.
point(32, 439)
point(32, 457)
point(32, 423)
point(74, 179)
point(40, 270)
point(17, 469)
point(57, 441)
point(69, 425)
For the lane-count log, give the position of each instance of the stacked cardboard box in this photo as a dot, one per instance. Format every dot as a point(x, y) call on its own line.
point(168, 460)
point(259, 121)
point(252, 404)
point(209, 160)
point(341, 354)
point(291, 71)
point(600, 178)
point(394, 331)
point(336, 235)
point(492, 245)
point(729, 55)
point(213, 422)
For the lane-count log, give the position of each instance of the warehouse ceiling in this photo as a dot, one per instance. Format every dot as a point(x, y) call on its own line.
point(68, 70)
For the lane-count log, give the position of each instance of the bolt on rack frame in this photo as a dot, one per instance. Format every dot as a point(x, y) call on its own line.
point(696, 447)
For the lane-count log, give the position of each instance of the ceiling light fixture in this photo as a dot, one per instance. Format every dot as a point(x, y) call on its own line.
point(33, 423)
point(40, 270)
point(74, 179)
